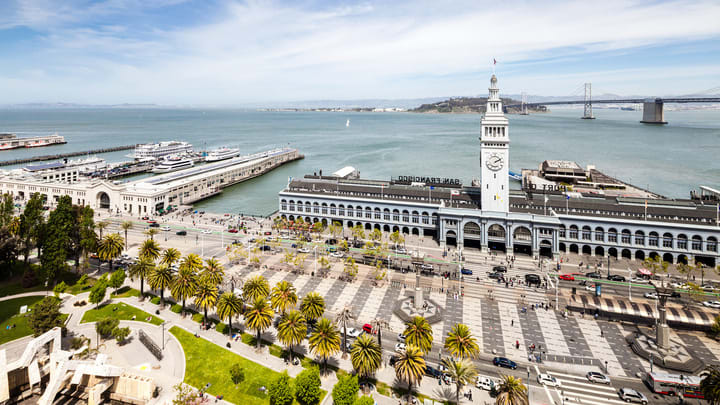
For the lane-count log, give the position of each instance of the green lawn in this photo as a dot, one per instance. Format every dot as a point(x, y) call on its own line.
point(76, 289)
point(206, 362)
point(121, 311)
point(126, 292)
point(10, 315)
point(13, 286)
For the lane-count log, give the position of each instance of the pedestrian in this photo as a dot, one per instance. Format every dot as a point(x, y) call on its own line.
point(512, 322)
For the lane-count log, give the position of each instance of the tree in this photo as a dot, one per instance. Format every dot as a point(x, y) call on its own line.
point(97, 294)
point(345, 391)
point(206, 296)
point(461, 343)
point(120, 334)
point(710, 384)
point(419, 333)
point(292, 330)
point(101, 225)
point(213, 271)
point(323, 262)
point(283, 296)
point(715, 328)
point(396, 238)
point(325, 340)
point(229, 305)
point(60, 288)
point(6, 209)
point(170, 256)
point(365, 401)
point(307, 386)
point(117, 279)
point(45, 315)
point(358, 232)
point(259, 317)
point(56, 238)
point(110, 248)
point(695, 293)
point(312, 306)
point(350, 268)
point(149, 250)
point(183, 285)
point(237, 374)
point(86, 239)
point(142, 269)
point(126, 226)
point(106, 326)
point(511, 391)
point(335, 229)
point(280, 391)
point(378, 324)
point(656, 265)
point(160, 278)
point(463, 372)
point(9, 248)
point(151, 232)
point(186, 395)
point(366, 355)
point(410, 367)
point(256, 287)
point(31, 222)
point(343, 318)
point(375, 235)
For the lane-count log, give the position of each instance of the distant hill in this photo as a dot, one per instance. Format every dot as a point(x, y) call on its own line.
point(470, 105)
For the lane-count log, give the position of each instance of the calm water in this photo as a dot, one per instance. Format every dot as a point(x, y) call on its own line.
point(670, 159)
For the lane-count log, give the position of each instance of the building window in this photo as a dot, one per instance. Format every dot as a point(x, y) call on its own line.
point(406, 218)
point(415, 219)
point(425, 219)
point(639, 239)
point(283, 206)
point(386, 216)
point(324, 210)
point(598, 235)
point(697, 245)
point(711, 245)
point(368, 214)
point(653, 240)
point(626, 238)
point(316, 209)
point(292, 207)
point(561, 233)
point(586, 234)
point(396, 217)
point(377, 214)
point(667, 241)
point(573, 233)
point(342, 211)
point(612, 237)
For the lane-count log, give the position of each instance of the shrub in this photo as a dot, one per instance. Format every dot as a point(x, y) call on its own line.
point(45, 315)
point(345, 391)
point(177, 308)
point(78, 342)
point(155, 300)
point(237, 374)
point(60, 288)
point(715, 328)
point(120, 334)
point(365, 401)
point(97, 294)
point(197, 318)
point(307, 385)
point(280, 392)
point(222, 328)
point(83, 279)
point(105, 327)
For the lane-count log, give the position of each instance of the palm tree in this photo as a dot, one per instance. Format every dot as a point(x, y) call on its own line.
point(710, 384)
point(256, 287)
point(283, 296)
point(259, 317)
point(229, 305)
point(342, 319)
point(149, 250)
point(126, 226)
point(170, 256)
point(102, 225)
point(160, 279)
point(378, 325)
point(366, 355)
point(419, 333)
point(325, 340)
point(142, 269)
point(292, 329)
point(463, 372)
point(511, 391)
point(410, 367)
point(184, 285)
point(214, 271)
point(312, 306)
point(110, 248)
point(192, 262)
point(206, 296)
point(151, 232)
point(461, 343)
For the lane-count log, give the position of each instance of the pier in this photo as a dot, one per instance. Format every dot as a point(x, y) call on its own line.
point(64, 155)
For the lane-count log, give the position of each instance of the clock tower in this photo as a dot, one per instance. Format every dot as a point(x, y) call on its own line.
point(494, 153)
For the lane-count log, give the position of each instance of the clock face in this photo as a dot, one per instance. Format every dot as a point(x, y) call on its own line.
point(494, 162)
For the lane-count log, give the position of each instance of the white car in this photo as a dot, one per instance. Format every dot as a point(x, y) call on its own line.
point(337, 254)
point(303, 250)
point(400, 347)
point(712, 304)
point(165, 228)
point(270, 239)
point(546, 379)
point(651, 295)
point(590, 287)
point(595, 377)
point(427, 266)
point(401, 251)
point(206, 231)
point(401, 337)
point(484, 383)
point(351, 332)
point(639, 280)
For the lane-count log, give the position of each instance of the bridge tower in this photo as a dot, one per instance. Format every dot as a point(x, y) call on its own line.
point(524, 107)
point(587, 113)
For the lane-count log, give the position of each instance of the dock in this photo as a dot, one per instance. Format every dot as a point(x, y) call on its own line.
point(64, 155)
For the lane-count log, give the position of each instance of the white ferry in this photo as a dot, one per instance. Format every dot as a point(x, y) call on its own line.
point(222, 154)
point(159, 150)
point(173, 163)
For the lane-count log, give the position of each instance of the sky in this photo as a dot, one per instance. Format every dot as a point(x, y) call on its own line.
point(231, 52)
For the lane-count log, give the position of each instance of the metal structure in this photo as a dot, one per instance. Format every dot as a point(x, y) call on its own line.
point(587, 111)
point(524, 109)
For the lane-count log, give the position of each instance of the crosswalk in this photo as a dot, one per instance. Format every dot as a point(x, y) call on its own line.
point(576, 390)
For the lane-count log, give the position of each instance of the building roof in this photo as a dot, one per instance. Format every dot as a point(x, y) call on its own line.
point(46, 166)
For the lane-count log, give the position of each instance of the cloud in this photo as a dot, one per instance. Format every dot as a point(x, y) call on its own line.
point(244, 51)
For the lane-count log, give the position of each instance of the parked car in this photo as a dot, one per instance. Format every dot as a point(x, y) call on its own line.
point(651, 295)
point(331, 241)
point(427, 267)
point(712, 304)
point(165, 228)
point(181, 233)
point(265, 248)
point(304, 250)
point(232, 230)
point(616, 277)
point(630, 395)
point(547, 379)
point(593, 274)
point(367, 328)
point(639, 280)
point(400, 347)
point(337, 254)
point(567, 277)
point(484, 383)
point(467, 272)
point(504, 362)
point(532, 279)
point(351, 332)
point(400, 251)
point(154, 225)
point(206, 231)
point(590, 287)
point(401, 337)
point(393, 360)
point(432, 371)
point(500, 269)
point(595, 377)
point(494, 275)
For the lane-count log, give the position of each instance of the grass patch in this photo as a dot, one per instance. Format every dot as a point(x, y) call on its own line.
point(76, 289)
point(10, 315)
point(126, 292)
point(206, 362)
point(13, 286)
point(197, 318)
point(121, 311)
point(177, 308)
point(155, 300)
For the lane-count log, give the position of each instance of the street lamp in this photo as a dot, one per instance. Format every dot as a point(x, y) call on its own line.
point(629, 283)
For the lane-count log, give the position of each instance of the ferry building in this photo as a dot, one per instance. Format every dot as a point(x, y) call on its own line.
point(490, 217)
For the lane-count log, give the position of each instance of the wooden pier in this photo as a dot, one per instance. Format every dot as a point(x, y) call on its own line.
point(64, 155)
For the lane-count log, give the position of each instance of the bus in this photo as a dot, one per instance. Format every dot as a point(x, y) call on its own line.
point(674, 384)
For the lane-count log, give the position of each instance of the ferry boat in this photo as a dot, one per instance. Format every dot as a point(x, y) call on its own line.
point(162, 149)
point(222, 154)
point(170, 164)
point(11, 141)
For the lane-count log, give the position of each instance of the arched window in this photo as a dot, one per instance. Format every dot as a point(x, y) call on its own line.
point(599, 234)
point(625, 237)
point(415, 217)
point(561, 231)
point(341, 210)
point(333, 209)
point(573, 232)
point(316, 208)
point(712, 244)
point(378, 214)
point(653, 238)
point(386, 214)
point(586, 233)
point(406, 216)
point(667, 240)
point(682, 241)
point(425, 218)
point(612, 235)
point(697, 242)
point(640, 238)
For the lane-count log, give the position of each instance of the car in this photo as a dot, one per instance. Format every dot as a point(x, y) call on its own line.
point(651, 295)
point(267, 233)
point(303, 250)
point(639, 280)
point(252, 240)
point(630, 395)
point(351, 332)
point(145, 218)
point(165, 228)
point(616, 277)
point(152, 221)
point(427, 267)
point(337, 254)
point(466, 271)
point(181, 233)
point(712, 304)
point(567, 277)
point(484, 383)
point(393, 360)
point(401, 337)
point(595, 377)
point(442, 368)
point(500, 269)
point(270, 239)
point(206, 231)
point(265, 248)
point(494, 275)
point(232, 230)
point(590, 287)
point(532, 279)
point(547, 379)
point(348, 346)
point(400, 347)
point(593, 274)
point(432, 371)
point(400, 251)
point(504, 362)
point(367, 328)
point(154, 225)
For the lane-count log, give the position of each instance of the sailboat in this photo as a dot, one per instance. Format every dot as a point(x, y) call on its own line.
point(347, 123)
